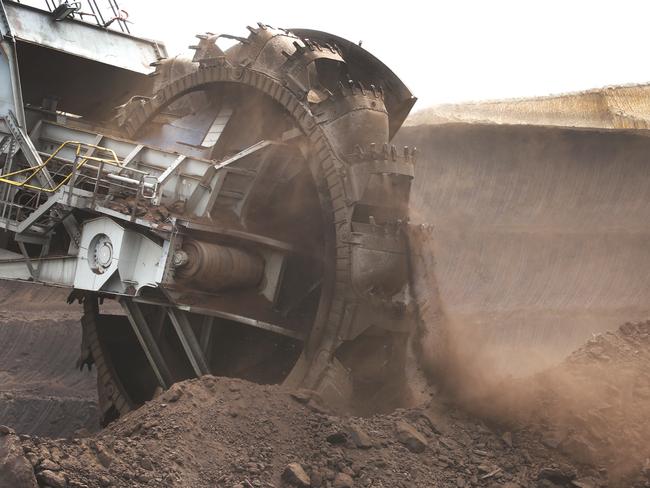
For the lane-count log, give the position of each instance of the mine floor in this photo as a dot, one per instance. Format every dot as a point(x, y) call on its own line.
point(583, 423)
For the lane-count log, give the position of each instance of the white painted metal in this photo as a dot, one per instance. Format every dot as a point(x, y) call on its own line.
point(27, 146)
point(134, 259)
point(139, 260)
point(11, 95)
point(260, 324)
point(59, 271)
point(165, 165)
point(39, 212)
point(189, 342)
point(162, 179)
point(13, 266)
point(273, 271)
point(205, 195)
point(148, 342)
point(217, 127)
point(84, 40)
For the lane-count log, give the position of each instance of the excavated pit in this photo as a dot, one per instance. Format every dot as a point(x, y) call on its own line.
point(41, 390)
point(540, 234)
point(580, 424)
point(519, 279)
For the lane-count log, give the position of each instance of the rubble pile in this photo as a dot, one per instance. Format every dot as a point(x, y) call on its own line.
point(227, 432)
point(594, 407)
point(581, 424)
point(607, 402)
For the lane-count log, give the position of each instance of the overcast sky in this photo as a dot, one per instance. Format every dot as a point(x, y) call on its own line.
point(445, 51)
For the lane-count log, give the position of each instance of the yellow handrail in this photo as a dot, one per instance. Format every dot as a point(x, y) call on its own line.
point(113, 161)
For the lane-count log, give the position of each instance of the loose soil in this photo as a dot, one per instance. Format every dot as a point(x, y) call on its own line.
point(583, 423)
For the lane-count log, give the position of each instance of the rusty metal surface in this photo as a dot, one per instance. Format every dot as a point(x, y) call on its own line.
point(217, 267)
point(365, 181)
point(368, 69)
point(273, 216)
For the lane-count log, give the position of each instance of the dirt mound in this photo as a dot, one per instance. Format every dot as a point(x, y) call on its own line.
point(225, 432)
point(594, 407)
point(580, 424)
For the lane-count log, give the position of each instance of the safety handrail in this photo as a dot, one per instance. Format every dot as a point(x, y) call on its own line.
point(111, 12)
point(79, 162)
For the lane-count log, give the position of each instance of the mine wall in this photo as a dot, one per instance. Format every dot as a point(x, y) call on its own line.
point(540, 234)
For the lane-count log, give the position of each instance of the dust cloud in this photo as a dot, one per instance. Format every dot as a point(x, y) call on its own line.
point(593, 407)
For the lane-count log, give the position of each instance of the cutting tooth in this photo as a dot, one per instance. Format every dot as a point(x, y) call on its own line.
point(299, 48)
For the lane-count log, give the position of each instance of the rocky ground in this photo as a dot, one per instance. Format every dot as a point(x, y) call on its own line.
point(225, 432)
point(594, 407)
point(583, 423)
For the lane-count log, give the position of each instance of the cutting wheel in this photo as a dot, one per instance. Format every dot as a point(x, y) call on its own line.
point(305, 120)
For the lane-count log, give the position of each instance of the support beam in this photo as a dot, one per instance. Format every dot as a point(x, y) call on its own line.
point(206, 334)
point(207, 191)
point(84, 39)
point(11, 93)
point(29, 151)
point(188, 340)
point(259, 324)
point(73, 229)
point(147, 341)
point(130, 157)
point(28, 261)
point(218, 126)
point(39, 212)
point(162, 179)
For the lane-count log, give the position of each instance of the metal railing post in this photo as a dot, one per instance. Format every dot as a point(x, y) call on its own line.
point(137, 198)
point(73, 177)
point(100, 17)
point(6, 195)
point(96, 189)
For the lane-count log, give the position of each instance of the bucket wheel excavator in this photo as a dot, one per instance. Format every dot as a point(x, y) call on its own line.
point(244, 207)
